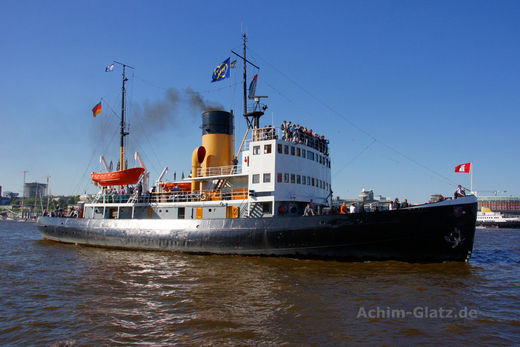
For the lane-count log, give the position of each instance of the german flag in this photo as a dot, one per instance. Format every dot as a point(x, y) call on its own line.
point(97, 109)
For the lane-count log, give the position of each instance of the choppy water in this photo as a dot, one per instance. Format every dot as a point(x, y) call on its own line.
point(51, 293)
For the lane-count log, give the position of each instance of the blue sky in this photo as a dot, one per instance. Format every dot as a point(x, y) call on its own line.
point(404, 90)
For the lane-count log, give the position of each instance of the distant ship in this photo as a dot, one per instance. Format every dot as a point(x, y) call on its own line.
point(489, 219)
point(253, 202)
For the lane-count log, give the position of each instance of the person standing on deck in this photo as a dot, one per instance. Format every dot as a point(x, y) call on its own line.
point(308, 211)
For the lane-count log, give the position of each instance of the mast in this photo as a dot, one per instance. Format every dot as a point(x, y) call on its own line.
point(123, 132)
point(23, 189)
point(255, 116)
point(245, 74)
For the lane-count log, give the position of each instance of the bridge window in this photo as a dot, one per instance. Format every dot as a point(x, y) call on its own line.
point(280, 148)
point(298, 152)
point(286, 149)
point(293, 178)
point(292, 151)
point(267, 177)
point(267, 149)
point(256, 178)
point(256, 150)
point(298, 179)
point(279, 178)
point(286, 178)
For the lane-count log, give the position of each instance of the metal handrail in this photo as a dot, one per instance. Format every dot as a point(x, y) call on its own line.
point(219, 170)
point(176, 196)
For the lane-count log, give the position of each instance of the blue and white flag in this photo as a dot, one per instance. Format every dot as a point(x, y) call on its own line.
point(109, 68)
point(221, 71)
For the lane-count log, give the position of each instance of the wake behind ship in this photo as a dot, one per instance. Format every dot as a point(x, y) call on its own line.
point(253, 202)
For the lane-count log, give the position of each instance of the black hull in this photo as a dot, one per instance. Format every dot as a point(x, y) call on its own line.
point(431, 233)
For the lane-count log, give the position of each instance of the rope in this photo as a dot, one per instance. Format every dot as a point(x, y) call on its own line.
point(374, 139)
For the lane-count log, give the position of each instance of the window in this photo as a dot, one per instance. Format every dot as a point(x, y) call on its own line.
point(267, 149)
point(286, 149)
point(256, 178)
point(308, 180)
point(312, 181)
point(267, 207)
point(293, 150)
point(280, 148)
point(298, 152)
point(286, 178)
point(298, 179)
point(303, 153)
point(279, 178)
point(256, 150)
point(180, 212)
point(293, 178)
point(310, 155)
point(267, 178)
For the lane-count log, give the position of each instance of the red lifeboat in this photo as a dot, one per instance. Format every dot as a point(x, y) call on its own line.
point(118, 178)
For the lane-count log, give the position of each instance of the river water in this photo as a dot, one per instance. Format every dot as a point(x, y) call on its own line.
point(53, 294)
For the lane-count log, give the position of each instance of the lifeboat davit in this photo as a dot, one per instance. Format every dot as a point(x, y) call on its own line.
point(118, 178)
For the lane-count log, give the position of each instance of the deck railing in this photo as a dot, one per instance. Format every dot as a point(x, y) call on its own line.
point(179, 196)
point(220, 170)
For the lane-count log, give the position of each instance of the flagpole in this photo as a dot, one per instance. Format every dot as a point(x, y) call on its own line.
point(471, 183)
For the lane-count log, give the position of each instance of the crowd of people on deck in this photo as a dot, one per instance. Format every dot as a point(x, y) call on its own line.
point(124, 190)
point(73, 213)
point(345, 208)
point(300, 134)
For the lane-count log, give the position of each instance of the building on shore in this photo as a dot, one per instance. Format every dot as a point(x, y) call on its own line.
point(370, 200)
point(6, 197)
point(504, 204)
point(34, 189)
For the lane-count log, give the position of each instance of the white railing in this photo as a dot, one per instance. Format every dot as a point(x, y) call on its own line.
point(219, 170)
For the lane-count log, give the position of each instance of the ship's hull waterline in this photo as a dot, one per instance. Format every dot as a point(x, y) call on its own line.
point(429, 233)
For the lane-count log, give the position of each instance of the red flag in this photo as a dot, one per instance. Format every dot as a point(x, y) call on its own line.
point(463, 168)
point(96, 110)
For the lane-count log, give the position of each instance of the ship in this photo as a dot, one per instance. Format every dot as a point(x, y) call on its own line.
point(487, 218)
point(273, 197)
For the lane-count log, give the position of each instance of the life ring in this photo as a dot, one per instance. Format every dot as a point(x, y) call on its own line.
point(203, 197)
